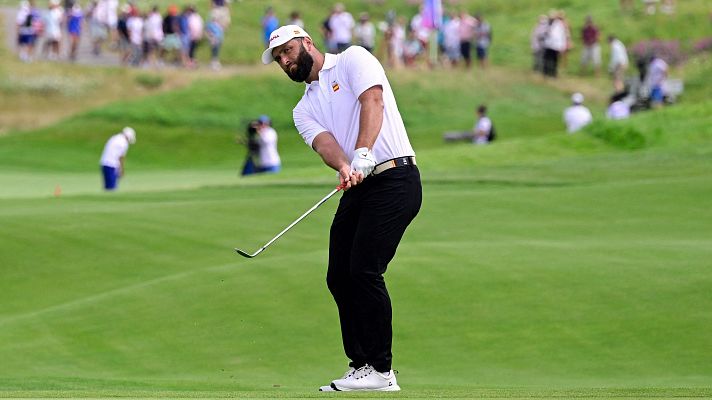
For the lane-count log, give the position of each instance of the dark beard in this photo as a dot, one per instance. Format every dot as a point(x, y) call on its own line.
point(304, 62)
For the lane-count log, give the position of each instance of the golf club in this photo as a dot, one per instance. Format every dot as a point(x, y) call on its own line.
point(322, 201)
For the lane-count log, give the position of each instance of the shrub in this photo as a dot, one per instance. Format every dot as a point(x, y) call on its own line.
point(617, 134)
point(702, 45)
point(149, 81)
point(668, 50)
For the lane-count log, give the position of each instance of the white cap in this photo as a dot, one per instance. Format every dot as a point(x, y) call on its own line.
point(281, 36)
point(130, 134)
point(577, 98)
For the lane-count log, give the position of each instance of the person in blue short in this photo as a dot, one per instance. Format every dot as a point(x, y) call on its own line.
point(74, 28)
point(113, 156)
point(657, 75)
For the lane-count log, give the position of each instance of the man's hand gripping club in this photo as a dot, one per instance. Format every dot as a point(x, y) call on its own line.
point(362, 164)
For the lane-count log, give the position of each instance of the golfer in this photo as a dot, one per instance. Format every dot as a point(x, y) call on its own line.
point(348, 115)
point(113, 156)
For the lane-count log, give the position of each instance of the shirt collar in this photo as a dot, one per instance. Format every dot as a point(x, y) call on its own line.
point(329, 62)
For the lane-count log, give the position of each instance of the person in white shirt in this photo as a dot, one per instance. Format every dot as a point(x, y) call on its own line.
point(577, 115)
point(554, 44)
point(267, 139)
point(618, 109)
point(112, 20)
point(538, 37)
point(451, 38)
point(26, 34)
point(657, 75)
point(468, 23)
point(153, 35)
point(134, 25)
point(619, 106)
point(341, 23)
point(98, 24)
point(348, 115)
point(196, 26)
point(619, 62)
point(113, 156)
point(365, 32)
point(395, 38)
point(53, 30)
point(295, 18)
point(483, 127)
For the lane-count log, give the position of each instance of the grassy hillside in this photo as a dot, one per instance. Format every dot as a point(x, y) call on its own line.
point(197, 126)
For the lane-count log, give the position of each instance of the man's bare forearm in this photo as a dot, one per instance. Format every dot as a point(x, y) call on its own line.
point(371, 117)
point(331, 153)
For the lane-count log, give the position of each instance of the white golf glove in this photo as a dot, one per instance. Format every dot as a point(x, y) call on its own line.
point(363, 161)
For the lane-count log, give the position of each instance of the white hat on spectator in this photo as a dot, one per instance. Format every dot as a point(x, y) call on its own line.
point(577, 98)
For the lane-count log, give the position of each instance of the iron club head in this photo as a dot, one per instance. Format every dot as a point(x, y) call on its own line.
point(247, 255)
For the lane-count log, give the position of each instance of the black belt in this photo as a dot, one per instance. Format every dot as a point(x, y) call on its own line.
point(396, 162)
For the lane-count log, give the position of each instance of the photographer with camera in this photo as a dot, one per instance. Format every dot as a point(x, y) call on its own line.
point(253, 149)
point(261, 142)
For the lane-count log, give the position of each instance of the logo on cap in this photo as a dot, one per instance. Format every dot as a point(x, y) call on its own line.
point(273, 37)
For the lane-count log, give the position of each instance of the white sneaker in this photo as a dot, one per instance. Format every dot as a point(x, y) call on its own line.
point(347, 375)
point(367, 378)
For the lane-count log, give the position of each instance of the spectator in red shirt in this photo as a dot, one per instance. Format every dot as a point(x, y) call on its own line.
point(591, 55)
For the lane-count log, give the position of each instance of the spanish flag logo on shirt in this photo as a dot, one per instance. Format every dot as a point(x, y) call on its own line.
point(335, 86)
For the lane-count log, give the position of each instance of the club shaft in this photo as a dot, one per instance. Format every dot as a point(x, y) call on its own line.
point(322, 201)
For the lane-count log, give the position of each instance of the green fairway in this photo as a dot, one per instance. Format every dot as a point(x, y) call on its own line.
point(549, 285)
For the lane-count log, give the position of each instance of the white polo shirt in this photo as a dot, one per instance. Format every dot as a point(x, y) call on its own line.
point(331, 104)
point(483, 124)
point(115, 148)
point(341, 25)
point(269, 156)
point(576, 117)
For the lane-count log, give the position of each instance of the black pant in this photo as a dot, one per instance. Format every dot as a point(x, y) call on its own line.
point(551, 62)
point(365, 233)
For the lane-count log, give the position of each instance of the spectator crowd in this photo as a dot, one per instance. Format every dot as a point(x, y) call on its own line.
point(432, 37)
point(142, 37)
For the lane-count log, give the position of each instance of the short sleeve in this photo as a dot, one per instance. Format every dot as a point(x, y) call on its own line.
point(484, 124)
point(363, 71)
point(306, 125)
